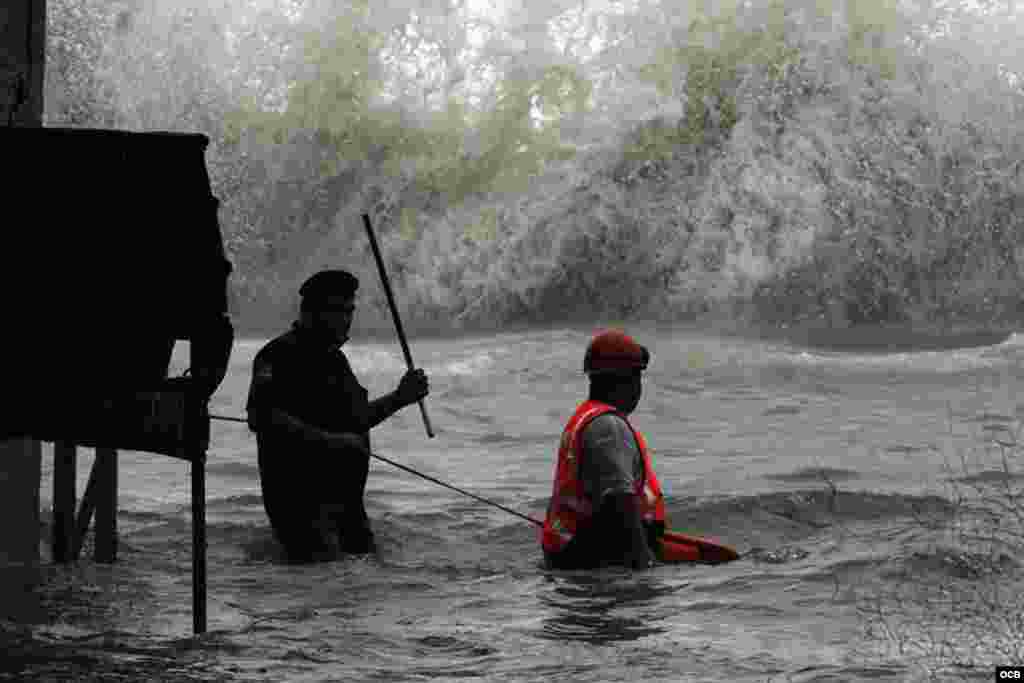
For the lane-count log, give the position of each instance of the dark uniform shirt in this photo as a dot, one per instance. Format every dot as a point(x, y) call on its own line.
point(300, 375)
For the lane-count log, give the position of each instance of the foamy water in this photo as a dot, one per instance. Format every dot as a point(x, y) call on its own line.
point(749, 439)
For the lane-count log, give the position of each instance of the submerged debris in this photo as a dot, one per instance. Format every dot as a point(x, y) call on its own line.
point(963, 564)
point(778, 556)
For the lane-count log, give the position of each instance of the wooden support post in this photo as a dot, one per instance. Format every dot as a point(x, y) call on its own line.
point(20, 475)
point(106, 504)
point(198, 466)
point(65, 462)
point(85, 510)
point(20, 469)
point(22, 61)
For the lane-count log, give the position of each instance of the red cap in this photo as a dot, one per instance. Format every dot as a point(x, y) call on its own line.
point(614, 351)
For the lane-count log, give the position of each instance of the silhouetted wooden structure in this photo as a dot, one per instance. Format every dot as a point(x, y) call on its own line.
point(115, 254)
point(22, 61)
point(22, 67)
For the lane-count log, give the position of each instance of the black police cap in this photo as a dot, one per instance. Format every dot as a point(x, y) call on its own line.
point(329, 283)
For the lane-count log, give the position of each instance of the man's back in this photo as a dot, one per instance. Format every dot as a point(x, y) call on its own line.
point(611, 460)
point(611, 473)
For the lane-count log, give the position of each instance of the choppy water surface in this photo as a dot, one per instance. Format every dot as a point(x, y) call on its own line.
point(814, 465)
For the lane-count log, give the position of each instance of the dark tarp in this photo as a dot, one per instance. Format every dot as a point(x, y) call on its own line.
point(111, 251)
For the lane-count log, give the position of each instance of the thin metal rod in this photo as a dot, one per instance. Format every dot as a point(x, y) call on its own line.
point(394, 313)
point(424, 476)
point(456, 488)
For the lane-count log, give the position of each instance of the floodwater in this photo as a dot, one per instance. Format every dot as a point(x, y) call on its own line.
point(819, 467)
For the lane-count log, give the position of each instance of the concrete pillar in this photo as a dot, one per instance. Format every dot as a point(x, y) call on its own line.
point(22, 61)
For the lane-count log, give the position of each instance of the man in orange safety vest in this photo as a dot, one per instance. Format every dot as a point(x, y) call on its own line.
point(606, 506)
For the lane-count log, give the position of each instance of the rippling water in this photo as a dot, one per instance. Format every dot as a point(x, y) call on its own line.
point(811, 464)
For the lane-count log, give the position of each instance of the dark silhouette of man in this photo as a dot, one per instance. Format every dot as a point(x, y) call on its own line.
point(312, 420)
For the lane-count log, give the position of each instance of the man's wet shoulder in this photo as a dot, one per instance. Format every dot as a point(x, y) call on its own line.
point(606, 426)
point(608, 433)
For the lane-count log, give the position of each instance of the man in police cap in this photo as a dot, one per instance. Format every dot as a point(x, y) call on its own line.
point(606, 506)
point(312, 420)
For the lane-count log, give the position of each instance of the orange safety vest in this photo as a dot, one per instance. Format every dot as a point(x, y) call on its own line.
point(569, 509)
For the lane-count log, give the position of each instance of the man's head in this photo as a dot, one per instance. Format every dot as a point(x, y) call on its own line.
point(328, 303)
point(615, 363)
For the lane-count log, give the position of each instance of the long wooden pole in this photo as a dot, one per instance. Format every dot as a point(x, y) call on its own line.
point(394, 313)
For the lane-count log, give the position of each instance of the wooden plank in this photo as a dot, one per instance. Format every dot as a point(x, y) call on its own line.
point(106, 505)
point(65, 461)
point(198, 467)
